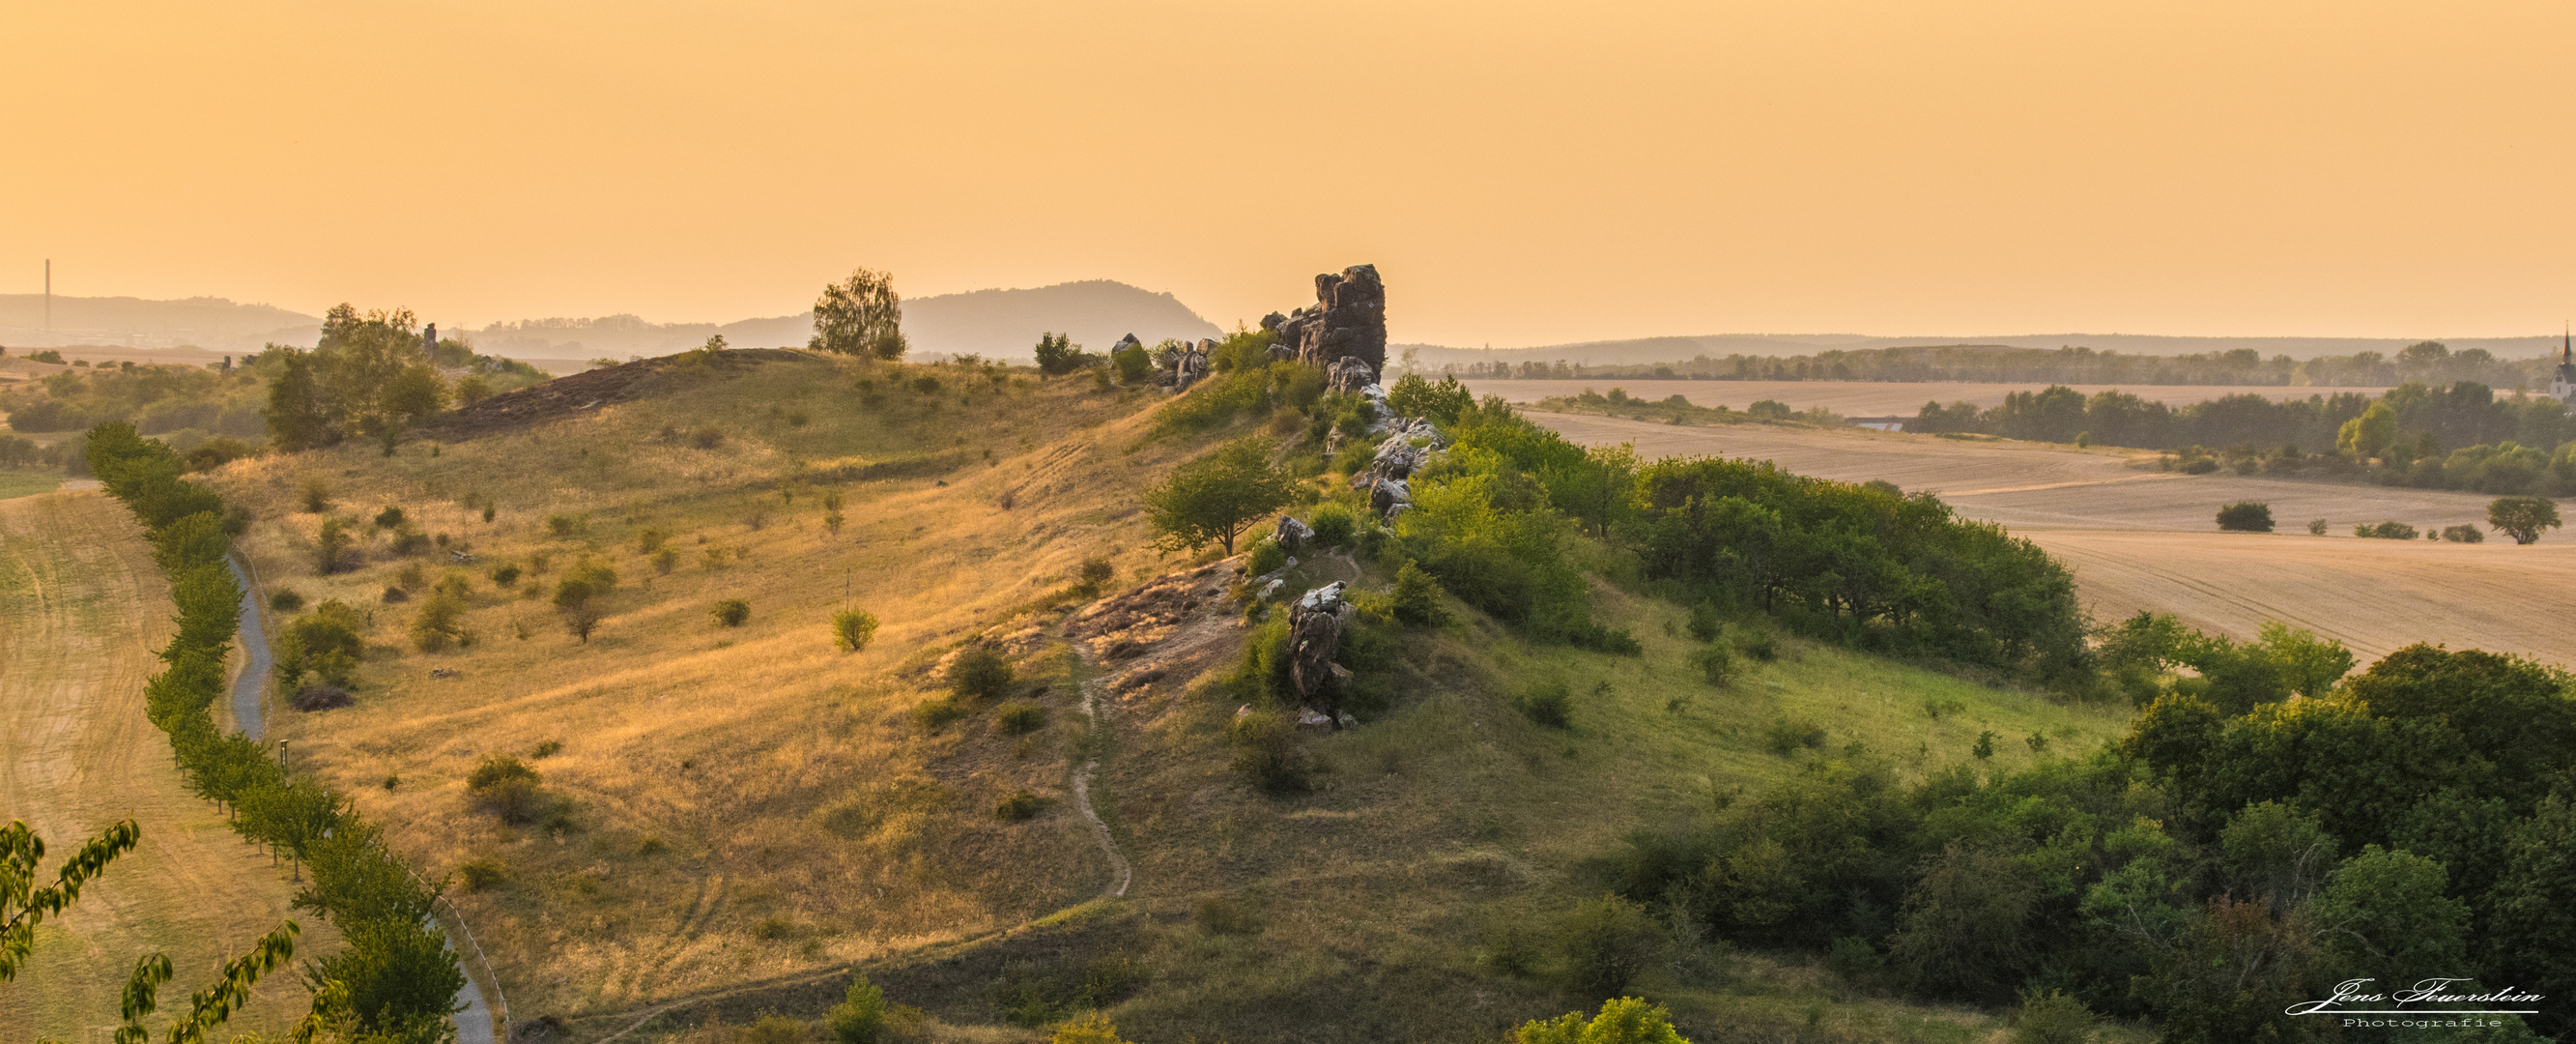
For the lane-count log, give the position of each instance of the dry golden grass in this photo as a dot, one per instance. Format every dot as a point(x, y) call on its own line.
point(2139, 538)
point(84, 607)
point(799, 818)
point(805, 820)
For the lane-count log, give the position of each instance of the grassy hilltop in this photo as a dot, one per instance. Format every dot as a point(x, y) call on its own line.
point(730, 815)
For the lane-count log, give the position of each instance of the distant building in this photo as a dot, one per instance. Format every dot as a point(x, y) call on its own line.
point(2563, 386)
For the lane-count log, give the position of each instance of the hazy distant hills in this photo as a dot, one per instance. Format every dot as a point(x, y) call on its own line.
point(131, 322)
point(1719, 346)
point(992, 323)
point(1003, 324)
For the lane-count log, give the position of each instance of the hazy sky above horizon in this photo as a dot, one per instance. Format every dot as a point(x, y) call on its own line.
point(1521, 173)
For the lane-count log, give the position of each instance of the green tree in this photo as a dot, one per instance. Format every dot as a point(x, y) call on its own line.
point(1134, 366)
point(852, 628)
point(2052, 1018)
point(298, 417)
point(1605, 945)
point(2531, 941)
point(1965, 931)
point(2387, 916)
point(413, 393)
point(2246, 517)
point(860, 316)
point(1212, 500)
point(2310, 665)
point(860, 1018)
point(2369, 435)
point(2523, 518)
point(1058, 355)
point(24, 904)
point(1626, 1020)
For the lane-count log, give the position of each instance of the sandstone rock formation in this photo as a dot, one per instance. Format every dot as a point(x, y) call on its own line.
point(1292, 535)
point(1347, 321)
point(1315, 626)
point(1349, 375)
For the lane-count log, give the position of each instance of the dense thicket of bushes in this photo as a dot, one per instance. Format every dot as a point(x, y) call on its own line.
point(1833, 557)
point(397, 974)
point(2208, 871)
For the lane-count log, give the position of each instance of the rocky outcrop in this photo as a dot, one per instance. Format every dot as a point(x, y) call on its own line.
point(1347, 321)
point(1349, 375)
point(1315, 625)
point(1291, 535)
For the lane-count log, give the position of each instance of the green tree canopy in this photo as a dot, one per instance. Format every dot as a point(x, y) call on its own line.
point(860, 316)
point(1212, 500)
point(2522, 517)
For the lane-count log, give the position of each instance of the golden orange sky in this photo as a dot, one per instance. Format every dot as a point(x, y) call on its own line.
point(1522, 173)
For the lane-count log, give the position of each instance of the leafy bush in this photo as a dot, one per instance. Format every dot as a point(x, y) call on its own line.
point(566, 525)
point(2464, 534)
point(731, 612)
point(2246, 516)
point(664, 560)
point(979, 673)
point(314, 497)
point(1605, 944)
point(2391, 530)
point(933, 713)
point(1786, 735)
point(1548, 703)
point(1018, 805)
point(1705, 624)
point(1627, 1020)
point(1417, 597)
point(707, 438)
point(2316, 527)
point(389, 518)
point(483, 875)
point(860, 1018)
point(1020, 717)
point(852, 628)
point(505, 786)
point(547, 748)
point(2052, 1018)
point(1227, 915)
point(504, 574)
point(439, 624)
point(1093, 576)
point(1333, 525)
point(331, 546)
point(1758, 643)
point(285, 601)
point(1714, 663)
point(1267, 557)
point(1266, 752)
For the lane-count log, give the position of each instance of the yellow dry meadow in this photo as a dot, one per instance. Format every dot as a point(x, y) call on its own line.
point(746, 799)
point(752, 810)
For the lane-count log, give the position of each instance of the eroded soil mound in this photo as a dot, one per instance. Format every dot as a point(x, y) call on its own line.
point(567, 396)
point(1168, 630)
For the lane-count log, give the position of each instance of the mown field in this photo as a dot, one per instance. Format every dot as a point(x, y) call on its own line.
point(83, 607)
point(748, 810)
point(2138, 538)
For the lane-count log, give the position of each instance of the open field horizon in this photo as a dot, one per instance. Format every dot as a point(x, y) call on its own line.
point(1873, 398)
point(2137, 538)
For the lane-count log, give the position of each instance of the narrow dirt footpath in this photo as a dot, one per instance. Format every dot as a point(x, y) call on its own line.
point(82, 607)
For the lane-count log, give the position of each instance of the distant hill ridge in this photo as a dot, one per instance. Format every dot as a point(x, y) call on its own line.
point(994, 323)
point(1719, 346)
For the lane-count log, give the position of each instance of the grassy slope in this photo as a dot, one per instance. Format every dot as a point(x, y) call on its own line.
point(84, 607)
point(790, 788)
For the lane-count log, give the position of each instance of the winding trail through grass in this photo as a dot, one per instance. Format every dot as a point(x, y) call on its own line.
point(1121, 873)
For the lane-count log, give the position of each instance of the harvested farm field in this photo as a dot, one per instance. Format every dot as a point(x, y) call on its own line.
point(2140, 538)
point(1876, 398)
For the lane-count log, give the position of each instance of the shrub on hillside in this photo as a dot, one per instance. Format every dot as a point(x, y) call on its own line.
point(1266, 557)
point(1786, 735)
point(1417, 597)
point(1266, 752)
point(1714, 663)
point(860, 1018)
point(2391, 530)
point(1627, 1020)
point(389, 518)
point(1605, 944)
point(2052, 1018)
point(1094, 576)
point(933, 713)
point(483, 875)
point(1020, 717)
point(314, 497)
point(1705, 623)
point(331, 546)
point(504, 574)
point(284, 601)
point(2246, 516)
point(440, 623)
point(1548, 703)
point(1757, 642)
point(505, 786)
point(2464, 534)
point(1333, 525)
point(731, 612)
point(1018, 805)
point(979, 673)
point(852, 628)
point(324, 642)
